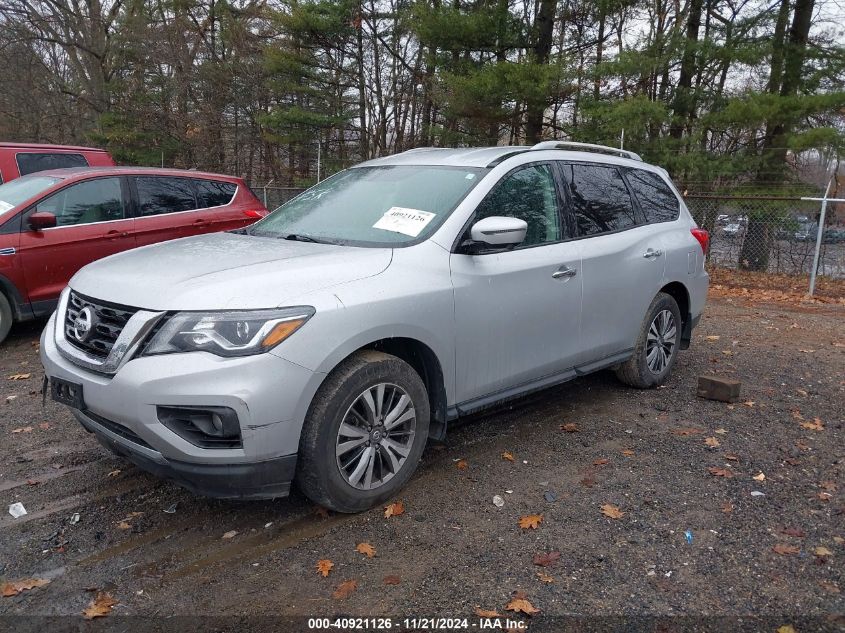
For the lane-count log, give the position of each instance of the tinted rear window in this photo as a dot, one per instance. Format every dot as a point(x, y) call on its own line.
point(656, 199)
point(600, 200)
point(158, 195)
point(29, 163)
point(213, 193)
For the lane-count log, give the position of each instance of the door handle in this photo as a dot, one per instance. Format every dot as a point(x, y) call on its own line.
point(652, 253)
point(201, 222)
point(564, 271)
point(113, 235)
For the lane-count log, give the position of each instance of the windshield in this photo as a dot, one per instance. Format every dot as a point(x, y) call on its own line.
point(373, 206)
point(22, 189)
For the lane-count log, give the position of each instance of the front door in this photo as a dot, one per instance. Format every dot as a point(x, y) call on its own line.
point(91, 223)
point(517, 313)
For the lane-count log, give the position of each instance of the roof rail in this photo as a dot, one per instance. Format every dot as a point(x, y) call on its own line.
point(586, 147)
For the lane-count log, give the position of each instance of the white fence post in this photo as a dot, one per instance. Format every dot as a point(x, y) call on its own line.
point(820, 232)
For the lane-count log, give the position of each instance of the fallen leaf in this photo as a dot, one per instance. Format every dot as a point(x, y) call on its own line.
point(113, 473)
point(462, 464)
point(785, 550)
point(230, 534)
point(794, 531)
point(828, 485)
point(23, 429)
point(486, 613)
point(324, 566)
point(759, 477)
point(687, 431)
point(20, 376)
point(546, 560)
point(713, 337)
point(720, 472)
point(731, 457)
point(366, 549)
point(391, 580)
point(748, 403)
point(44, 426)
point(825, 496)
point(612, 511)
point(822, 551)
point(796, 414)
point(100, 606)
point(394, 509)
point(601, 462)
point(815, 425)
point(345, 589)
point(786, 628)
point(720, 431)
point(569, 427)
point(508, 456)
point(522, 605)
point(14, 587)
point(544, 577)
point(530, 521)
point(123, 525)
point(801, 392)
point(712, 442)
point(727, 507)
point(627, 452)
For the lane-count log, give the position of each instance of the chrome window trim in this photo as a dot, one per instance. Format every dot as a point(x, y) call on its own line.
point(133, 334)
point(158, 215)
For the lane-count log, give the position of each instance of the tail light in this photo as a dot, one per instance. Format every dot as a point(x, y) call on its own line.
point(255, 214)
point(703, 238)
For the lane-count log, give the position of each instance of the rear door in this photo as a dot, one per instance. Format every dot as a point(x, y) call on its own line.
point(219, 206)
point(31, 162)
point(166, 208)
point(91, 224)
point(622, 258)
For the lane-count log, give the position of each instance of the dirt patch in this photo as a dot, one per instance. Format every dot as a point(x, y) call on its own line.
point(694, 537)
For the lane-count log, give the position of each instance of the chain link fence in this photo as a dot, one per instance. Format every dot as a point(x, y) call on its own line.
point(274, 197)
point(775, 235)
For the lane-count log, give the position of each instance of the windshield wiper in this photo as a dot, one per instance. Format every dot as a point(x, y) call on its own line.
point(299, 237)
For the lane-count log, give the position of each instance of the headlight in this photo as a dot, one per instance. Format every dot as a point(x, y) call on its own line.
point(227, 333)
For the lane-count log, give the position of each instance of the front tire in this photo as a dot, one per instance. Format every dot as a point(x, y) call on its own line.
point(364, 433)
point(6, 317)
point(657, 345)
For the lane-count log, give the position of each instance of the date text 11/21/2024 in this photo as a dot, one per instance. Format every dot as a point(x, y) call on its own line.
point(418, 624)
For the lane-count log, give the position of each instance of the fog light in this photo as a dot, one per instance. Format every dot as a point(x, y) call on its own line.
point(207, 427)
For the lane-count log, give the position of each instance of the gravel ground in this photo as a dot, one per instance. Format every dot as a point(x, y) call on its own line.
point(688, 542)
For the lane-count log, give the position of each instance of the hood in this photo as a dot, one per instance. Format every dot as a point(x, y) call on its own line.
point(223, 271)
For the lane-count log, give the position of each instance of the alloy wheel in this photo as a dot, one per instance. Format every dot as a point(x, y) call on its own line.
point(660, 344)
point(375, 436)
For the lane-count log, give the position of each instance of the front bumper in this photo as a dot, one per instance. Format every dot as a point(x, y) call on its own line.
point(259, 480)
point(269, 394)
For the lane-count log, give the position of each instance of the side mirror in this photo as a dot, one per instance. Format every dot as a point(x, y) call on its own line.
point(497, 233)
point(41, 220)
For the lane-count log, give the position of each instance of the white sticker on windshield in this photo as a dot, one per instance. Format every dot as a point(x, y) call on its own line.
point(406, 221)
point(5, 206)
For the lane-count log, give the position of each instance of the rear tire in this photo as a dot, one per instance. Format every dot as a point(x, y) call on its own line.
point(6, 317)
point(383, 406)
point(657, 345)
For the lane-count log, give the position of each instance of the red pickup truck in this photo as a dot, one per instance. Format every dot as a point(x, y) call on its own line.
point(54, 222)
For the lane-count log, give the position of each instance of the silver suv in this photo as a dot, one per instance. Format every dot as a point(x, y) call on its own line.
point(327, 342)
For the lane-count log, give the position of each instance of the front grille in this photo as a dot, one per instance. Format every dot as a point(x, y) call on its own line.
point(107, 323)
point(118, 429)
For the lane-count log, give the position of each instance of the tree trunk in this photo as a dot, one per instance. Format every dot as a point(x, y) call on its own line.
point(536, 106)
point(684, 103)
